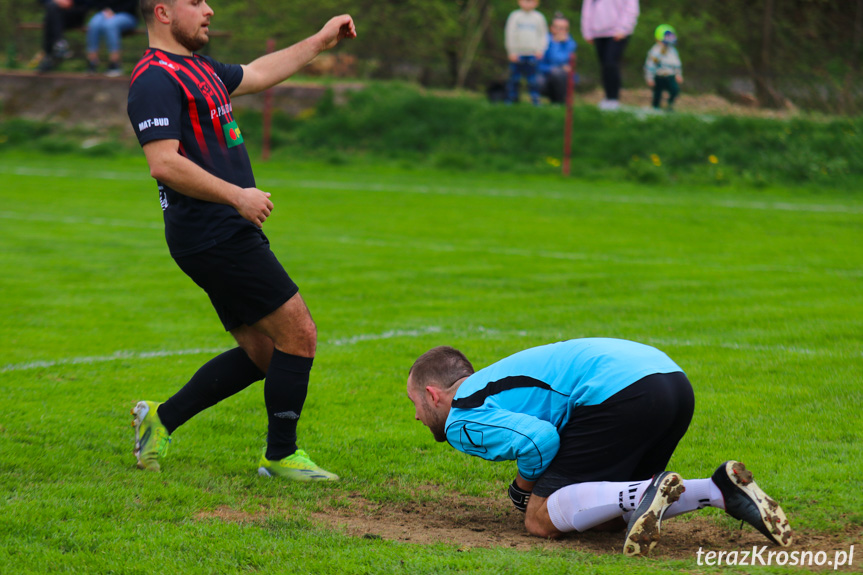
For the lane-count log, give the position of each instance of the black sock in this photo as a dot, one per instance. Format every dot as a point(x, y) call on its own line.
point(284, 394)
point(221, 377)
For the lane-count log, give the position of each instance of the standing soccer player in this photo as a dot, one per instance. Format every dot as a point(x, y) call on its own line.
point(180, 108)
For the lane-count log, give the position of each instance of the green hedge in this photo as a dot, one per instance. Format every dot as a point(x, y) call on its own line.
point(401, 122)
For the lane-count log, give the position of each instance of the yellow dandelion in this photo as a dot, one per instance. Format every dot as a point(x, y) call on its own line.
point(655, 159)
point(712, 159)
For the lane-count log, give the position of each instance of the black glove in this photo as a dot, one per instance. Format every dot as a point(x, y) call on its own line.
point(519, 496)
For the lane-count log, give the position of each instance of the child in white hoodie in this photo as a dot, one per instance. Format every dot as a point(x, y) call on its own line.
point(526, 38)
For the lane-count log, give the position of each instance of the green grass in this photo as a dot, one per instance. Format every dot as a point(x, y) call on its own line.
point(757, 293)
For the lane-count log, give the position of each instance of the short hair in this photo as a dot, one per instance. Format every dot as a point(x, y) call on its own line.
point(148, 6)
point(441, 366)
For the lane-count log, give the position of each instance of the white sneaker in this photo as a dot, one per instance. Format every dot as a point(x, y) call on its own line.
point(609, 105)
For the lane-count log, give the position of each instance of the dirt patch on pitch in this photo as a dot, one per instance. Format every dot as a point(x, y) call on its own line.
point(469, 522)
point(477, 522)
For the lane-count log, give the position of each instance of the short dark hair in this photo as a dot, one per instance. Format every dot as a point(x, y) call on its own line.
point(148, 6)
point(441, 366)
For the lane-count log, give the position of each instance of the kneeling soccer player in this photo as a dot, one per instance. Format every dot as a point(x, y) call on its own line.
point(592, 424)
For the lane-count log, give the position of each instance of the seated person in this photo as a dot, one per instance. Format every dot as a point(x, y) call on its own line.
point(115, 18)
point(554, 68)
point(60, 15)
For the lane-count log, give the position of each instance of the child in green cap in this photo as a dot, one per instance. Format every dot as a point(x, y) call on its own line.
point(662, 69)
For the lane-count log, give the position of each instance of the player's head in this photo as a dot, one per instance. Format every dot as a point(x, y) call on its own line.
point(441, 367)
point(666, 34)
point(431, 380)
point(148, 9)
point(187, 20)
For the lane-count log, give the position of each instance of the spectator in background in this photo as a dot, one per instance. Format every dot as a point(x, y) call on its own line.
point(526, 38)
point(60, 15)
point(662, 68)
point(608, 24)
point(115, 17)
point(555, 67)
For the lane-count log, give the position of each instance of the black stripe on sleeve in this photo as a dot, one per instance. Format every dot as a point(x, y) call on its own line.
point(494, 387)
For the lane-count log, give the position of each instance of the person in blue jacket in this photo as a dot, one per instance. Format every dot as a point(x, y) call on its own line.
point(558, 62)
point(591, 424)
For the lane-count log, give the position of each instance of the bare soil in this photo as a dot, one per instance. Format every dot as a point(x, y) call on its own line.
point(475, 522)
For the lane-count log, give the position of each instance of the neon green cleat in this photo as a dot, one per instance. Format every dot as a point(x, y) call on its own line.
point(151, 437)
point(297, 467)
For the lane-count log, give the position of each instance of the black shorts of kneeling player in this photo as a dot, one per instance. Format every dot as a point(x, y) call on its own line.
point(628, 437)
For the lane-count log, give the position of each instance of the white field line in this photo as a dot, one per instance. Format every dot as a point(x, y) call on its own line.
point(440, 247)
point(393, 334)
point(123, 355)
point(71, 220)
point(465, 191)
point(116, 356)
point(396, 333)
point(635, 259)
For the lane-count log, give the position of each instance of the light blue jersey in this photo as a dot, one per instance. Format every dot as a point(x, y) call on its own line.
point(515, 408)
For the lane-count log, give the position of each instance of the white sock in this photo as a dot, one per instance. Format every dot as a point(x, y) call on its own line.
point(581, 506)
point(700, 493)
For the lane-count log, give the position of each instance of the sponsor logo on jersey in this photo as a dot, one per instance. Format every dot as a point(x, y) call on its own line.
point(160, 122)
point(233, 136)
point(206, 89)
point(221, 111)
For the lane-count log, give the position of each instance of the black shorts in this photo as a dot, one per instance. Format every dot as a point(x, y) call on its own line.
point(628, 437)
point(242, 276)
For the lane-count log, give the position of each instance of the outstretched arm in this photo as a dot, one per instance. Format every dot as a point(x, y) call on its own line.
point(269, 70)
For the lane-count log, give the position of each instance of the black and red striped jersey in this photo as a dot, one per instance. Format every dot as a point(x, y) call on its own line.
point(187, 98)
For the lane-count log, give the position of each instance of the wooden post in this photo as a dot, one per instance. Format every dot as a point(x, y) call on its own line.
point(567, 125)
point(268, 109)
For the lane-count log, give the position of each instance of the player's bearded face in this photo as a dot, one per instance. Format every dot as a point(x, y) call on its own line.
point(435, 420)
point(190, 40)
point(436, 423)
point(190, 23)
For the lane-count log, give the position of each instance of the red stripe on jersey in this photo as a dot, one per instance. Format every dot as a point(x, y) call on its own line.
point(214, 105)
point(141, 66)
point(221, 90)
point(193, 108)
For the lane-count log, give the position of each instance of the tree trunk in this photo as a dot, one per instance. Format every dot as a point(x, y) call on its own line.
point(857, 44)
point(767, 95)
point(477, 19)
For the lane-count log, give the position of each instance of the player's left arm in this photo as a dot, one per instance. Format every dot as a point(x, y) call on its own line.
point(502, 435)
point(269, 70)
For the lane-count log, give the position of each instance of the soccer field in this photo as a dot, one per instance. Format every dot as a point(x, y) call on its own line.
point(757, 294)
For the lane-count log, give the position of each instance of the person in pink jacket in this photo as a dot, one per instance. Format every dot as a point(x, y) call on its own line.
point(608, 24)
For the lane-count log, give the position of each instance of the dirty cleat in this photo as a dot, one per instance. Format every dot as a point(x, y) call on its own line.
point(746, 501)
point(642, 532)
point(297, 467)
point(151, 437)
